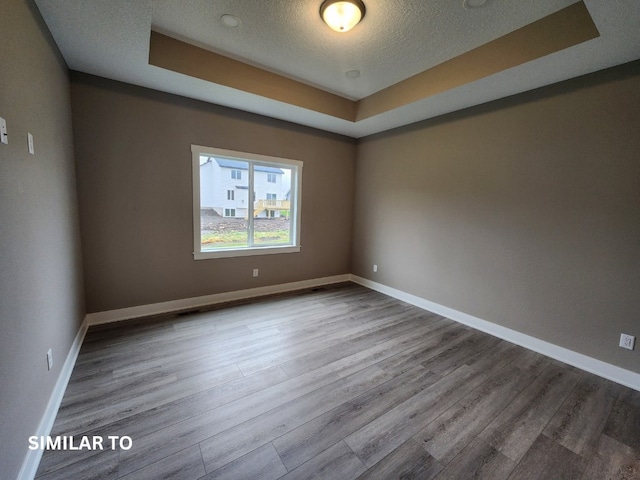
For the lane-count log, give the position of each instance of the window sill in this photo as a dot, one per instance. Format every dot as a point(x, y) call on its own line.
point(246, 252)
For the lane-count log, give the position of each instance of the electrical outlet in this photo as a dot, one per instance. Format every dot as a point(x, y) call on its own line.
point(375, 268)
point(49, 360)
point(627, 341)
point(255, 272)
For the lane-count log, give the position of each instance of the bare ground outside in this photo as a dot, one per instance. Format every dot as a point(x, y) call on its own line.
point(220, 231)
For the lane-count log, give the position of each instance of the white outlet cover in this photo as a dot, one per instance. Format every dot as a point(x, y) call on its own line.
point(627, 341)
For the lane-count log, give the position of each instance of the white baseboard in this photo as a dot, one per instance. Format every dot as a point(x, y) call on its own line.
point(606, 370)
point(195, 302)
point(33, 457)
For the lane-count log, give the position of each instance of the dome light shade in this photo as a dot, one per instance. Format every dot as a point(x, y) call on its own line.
point(342, 15)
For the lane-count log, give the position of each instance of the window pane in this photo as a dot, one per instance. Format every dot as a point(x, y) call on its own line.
point(244, 202)
point(224, 203)
point(272, 206)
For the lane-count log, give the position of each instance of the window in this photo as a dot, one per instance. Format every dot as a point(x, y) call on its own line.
point(269, 222)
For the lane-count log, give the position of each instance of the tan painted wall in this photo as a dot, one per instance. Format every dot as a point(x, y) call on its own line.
point(181, 57)
point(524, 212)
point(134, 170)
point(41, 295)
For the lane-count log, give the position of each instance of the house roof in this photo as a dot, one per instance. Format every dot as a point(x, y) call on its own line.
point(238, 165)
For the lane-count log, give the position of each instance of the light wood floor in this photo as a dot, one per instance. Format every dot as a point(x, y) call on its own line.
point(337, 383)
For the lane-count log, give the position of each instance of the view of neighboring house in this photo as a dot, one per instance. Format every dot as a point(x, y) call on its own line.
point(224, 188)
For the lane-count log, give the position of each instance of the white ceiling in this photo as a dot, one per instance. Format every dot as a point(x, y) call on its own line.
point(396, 40)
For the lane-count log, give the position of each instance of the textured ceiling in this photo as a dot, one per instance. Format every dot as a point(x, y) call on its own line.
point(395, 41)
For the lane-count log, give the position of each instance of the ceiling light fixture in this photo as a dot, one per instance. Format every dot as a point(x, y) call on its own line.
point(342, 15)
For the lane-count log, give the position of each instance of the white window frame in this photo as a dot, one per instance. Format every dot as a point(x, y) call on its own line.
point(253, 159)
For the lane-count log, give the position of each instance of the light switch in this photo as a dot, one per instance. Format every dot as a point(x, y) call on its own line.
point(30, 143)
point(4, 138)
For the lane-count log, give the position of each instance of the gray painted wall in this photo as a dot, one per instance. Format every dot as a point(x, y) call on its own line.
point(133, 150)
point(41, 293)
point(524, 212)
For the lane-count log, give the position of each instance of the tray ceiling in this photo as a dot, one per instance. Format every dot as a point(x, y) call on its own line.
point(416, 59)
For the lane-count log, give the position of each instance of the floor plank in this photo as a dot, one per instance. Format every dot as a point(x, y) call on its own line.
point(515, 430)
point(184, 465)
point(452, 431)
point(480, 461)
point(233, 442)
point(306, 441)
point(263, 463)
point(612, 461)
point(547, 459)
point(390, 430)
point(624, 422)
point(408, 462)
point(582, 417)
point(335, 462)
point(82, 465)
point(200, 427)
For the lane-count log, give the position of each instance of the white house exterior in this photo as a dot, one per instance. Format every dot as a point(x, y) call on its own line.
point(224, 188)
